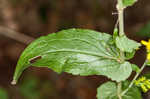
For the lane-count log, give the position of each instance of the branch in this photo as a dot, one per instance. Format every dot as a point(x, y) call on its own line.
point(15, 35)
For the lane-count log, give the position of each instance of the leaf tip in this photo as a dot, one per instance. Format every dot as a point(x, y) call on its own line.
point(14, 82)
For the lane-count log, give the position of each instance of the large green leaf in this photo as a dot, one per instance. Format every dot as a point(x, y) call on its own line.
point(76, 51)
point(127, 3)
point(127, 45)
point(109, 91)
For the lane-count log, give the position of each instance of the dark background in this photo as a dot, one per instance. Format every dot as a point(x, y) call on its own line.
point(21, 21)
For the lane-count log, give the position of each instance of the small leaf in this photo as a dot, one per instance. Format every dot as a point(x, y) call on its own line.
point(129, 55)
point(148, 63)
point(127, 45)
point(109, 91)
point(76, 51)
point(135, 68)
point(147, 75)
point(127, 3)
point(133, 92)
point(115, 33)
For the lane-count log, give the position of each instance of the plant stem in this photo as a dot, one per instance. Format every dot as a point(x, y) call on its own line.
point(119, 89)
point(136, 76)
point(120, 9)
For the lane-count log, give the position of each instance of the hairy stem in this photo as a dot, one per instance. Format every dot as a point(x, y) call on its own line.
point(119, 89)
point(120, 9)
point(136, 76)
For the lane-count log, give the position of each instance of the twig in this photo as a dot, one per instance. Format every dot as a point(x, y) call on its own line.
point(15, 35)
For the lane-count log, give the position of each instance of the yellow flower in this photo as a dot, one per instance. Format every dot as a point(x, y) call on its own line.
point(148, 86)
point(142, 79)
point(136, 82)
point(144, 83)
point(144, 88)
point(147, 44)
point(148, 56)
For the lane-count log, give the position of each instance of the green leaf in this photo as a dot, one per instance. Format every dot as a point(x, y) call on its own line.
point(3, 94)
point(127, 45)
point(147, 75)
point(115, 33)
point(109, 91)
point(148, 63)
point(127, 3)
point(76, 51)
point(129, 55)
point(133, 93)
point(135, 68)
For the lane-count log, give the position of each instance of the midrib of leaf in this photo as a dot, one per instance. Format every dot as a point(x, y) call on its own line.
point(82, 52)
point(96, 46)
point(77, 51)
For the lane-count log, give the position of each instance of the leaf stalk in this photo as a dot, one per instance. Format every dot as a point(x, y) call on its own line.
point(119, 89)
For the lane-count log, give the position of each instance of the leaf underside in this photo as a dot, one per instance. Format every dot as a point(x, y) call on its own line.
point(76, 51)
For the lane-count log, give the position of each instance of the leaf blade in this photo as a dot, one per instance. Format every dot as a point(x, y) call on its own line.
point(108, 90)
point(127, 45)
point(127, 3)
point(76, 51)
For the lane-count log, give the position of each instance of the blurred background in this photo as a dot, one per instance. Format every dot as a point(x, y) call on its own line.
point(22, 21)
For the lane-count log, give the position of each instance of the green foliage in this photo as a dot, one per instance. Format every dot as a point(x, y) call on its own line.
point(135, 68)
point(127, 3)
point(144, 31)
point(129, 55)
point(148, 63)
point(3, 94)
point(109, 91)
point(76, 51)
point(127, 45)
point(147, 75)
point(115, 34)
point(86, 52)
point(133, 93)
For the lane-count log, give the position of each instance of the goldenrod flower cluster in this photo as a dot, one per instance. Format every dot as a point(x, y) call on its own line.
point(147, 44)
point(143, 83)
